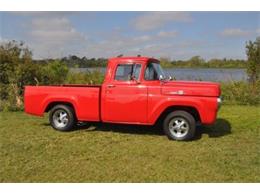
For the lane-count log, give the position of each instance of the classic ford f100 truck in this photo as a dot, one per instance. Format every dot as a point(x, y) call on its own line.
point(135, 91)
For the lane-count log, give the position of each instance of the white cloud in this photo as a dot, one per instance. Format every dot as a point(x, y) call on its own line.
point(52, 36)
point(118, 43)
point(235, 32)
point(143, 38)
point(154, 37)
point(2, 40)
point(57, 30)
point(154, 20)
point(258, 31)
point(167, 34)
point(44, 13)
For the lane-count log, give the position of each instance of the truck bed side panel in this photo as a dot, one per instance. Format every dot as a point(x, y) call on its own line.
point(85, 100)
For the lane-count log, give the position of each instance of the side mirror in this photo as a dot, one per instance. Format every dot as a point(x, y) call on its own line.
point(161, 77)
point(170, 78)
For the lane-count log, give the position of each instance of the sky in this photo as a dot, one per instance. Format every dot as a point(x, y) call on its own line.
point(173, 35)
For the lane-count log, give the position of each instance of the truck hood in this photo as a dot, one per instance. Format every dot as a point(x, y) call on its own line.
point(191, 88)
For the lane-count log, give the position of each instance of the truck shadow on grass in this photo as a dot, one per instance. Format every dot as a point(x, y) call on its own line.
point(221, 128)
point(121, 128)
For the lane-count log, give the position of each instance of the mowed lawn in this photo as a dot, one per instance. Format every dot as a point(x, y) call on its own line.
point(229, 151)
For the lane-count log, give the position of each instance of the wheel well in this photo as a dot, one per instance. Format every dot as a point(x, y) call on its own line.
point(52, 104)
point(193, 111)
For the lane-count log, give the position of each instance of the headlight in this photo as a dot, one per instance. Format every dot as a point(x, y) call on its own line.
point(219, 101)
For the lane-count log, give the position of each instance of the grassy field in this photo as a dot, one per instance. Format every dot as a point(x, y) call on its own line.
point(229, 151)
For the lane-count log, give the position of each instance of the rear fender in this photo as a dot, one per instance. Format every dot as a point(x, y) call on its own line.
point(71, 100)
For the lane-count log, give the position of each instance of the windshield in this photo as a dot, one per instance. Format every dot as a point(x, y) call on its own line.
point(154, 71)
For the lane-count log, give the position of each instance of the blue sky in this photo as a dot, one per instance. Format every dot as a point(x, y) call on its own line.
point(175, 35)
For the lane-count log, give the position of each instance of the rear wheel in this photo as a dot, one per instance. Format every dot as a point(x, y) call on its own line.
point(62, 117)
point(179, 125)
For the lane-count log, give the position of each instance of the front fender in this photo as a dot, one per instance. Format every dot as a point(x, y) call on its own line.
point(205, 106)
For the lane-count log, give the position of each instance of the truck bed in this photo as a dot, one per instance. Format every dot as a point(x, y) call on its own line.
point(84, 98)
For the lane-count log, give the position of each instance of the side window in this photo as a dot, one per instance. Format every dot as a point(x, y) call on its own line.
point(127, 72)
point(150, 73)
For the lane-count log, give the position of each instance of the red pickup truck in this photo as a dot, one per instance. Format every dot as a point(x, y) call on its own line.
point(135, 91)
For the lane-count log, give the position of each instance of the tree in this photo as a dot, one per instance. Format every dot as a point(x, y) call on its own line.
point(16, 70)
point(54, 72)
point(165, 62)
point(196, 61)
point(253, 57)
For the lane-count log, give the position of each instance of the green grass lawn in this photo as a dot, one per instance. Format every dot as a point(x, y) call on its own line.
point(229, 151)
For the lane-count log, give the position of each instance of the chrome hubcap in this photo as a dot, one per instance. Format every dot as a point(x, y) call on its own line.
point(179, 127)
point(60, 118)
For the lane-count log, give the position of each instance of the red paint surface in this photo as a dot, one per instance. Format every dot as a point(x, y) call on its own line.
point(133, 102)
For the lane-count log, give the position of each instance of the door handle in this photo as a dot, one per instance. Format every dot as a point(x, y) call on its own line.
point(110, 86)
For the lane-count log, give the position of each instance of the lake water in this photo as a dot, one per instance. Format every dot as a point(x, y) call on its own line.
point(204, 74)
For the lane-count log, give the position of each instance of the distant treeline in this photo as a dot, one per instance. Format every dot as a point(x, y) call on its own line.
point(198, 62)
point(194, 62)
point(73, 61)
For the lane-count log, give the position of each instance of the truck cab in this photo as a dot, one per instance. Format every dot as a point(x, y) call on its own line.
point(125, 89)
point(135, 91)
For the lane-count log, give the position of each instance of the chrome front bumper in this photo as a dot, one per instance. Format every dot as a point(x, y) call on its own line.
point(219, 101)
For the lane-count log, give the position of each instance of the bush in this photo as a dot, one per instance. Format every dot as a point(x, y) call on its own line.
point(54, 72)
point(241, 92)
point(85, 78)
point(253, 55)
point(16, 70)
point(13, 100)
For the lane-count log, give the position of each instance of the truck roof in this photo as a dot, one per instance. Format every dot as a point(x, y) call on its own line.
point(141, 58)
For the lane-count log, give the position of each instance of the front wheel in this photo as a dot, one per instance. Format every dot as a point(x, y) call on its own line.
point(179, 125)
point(62, 117)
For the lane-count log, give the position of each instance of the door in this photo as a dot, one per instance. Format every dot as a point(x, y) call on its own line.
point(125, 97)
